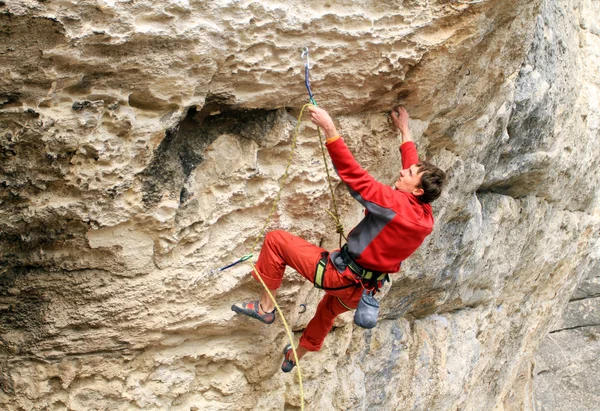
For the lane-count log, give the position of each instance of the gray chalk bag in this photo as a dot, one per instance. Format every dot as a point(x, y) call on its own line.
point(367, 311)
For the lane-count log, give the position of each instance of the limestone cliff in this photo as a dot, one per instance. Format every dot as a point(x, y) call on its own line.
point(566, 368)
point(141, 145)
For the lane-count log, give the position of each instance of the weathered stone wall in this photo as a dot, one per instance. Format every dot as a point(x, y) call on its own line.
point(141, 144)
point(566, 374)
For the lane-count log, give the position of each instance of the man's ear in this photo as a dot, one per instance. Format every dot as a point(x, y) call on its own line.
point(418, 192)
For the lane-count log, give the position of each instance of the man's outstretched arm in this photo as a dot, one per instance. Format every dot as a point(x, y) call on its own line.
point(362, 185)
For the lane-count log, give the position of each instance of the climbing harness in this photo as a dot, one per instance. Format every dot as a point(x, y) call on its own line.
point(320, 275)
point(370, 281)
point(363, 273)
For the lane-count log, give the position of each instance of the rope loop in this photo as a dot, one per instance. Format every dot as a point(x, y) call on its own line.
point(339, 228)
point(263, 230)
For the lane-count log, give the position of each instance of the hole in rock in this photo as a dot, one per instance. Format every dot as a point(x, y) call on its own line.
point(182, 149)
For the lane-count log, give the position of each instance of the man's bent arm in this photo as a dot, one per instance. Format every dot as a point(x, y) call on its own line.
point(408, 151)
point(409, 154)
point(362, 185)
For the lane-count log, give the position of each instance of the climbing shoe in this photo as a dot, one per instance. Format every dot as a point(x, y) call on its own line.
point(288, 359)
point(251, 310)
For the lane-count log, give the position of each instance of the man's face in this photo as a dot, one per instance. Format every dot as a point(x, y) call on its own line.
point(409, 181)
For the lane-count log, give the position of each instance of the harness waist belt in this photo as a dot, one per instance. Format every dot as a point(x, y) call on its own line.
point(320, 276)
point(358, 270)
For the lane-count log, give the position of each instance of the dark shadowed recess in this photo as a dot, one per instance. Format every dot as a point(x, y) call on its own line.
point(21, 321)
point(182, 149)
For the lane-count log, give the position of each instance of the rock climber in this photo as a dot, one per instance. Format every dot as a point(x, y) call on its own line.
point(396, 222)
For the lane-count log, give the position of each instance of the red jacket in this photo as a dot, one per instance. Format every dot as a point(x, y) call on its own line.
point(395, 222)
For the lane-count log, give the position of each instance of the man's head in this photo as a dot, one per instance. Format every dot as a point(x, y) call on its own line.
point(423, 179)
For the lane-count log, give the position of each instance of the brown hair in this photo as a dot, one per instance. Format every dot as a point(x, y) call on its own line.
point(432, 181)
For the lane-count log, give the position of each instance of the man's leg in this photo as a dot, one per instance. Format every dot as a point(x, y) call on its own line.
point(266, 303)
point(317, 329)
point(279, 250)
point(320, 325)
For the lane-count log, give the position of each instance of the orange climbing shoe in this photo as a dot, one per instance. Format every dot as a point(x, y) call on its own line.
point(251, 310)
point(288, 359)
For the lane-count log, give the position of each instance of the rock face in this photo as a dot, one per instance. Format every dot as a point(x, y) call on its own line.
point(567, 364)
point(141, 146)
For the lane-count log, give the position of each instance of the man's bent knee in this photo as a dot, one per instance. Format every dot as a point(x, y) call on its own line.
point(273, 236)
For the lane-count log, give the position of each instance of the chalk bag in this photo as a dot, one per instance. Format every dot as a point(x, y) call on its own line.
point(367, 311)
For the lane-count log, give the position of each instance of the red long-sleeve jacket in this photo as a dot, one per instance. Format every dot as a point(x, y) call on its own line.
point(395, 223)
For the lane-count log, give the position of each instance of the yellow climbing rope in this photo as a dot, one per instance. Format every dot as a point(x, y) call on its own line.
point(289, 334)
point(339, 229)
point(282, 180)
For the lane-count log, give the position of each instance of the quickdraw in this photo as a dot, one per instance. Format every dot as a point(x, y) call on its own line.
point(307, 76)
point(244, 258)
point(214, 271)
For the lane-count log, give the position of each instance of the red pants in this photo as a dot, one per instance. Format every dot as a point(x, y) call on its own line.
point(280, 249)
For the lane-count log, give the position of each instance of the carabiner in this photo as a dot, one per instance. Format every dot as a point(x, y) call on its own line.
point(304, 54)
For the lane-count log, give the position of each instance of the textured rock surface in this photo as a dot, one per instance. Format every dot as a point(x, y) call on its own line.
point(141, 143)
point(567, 365)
